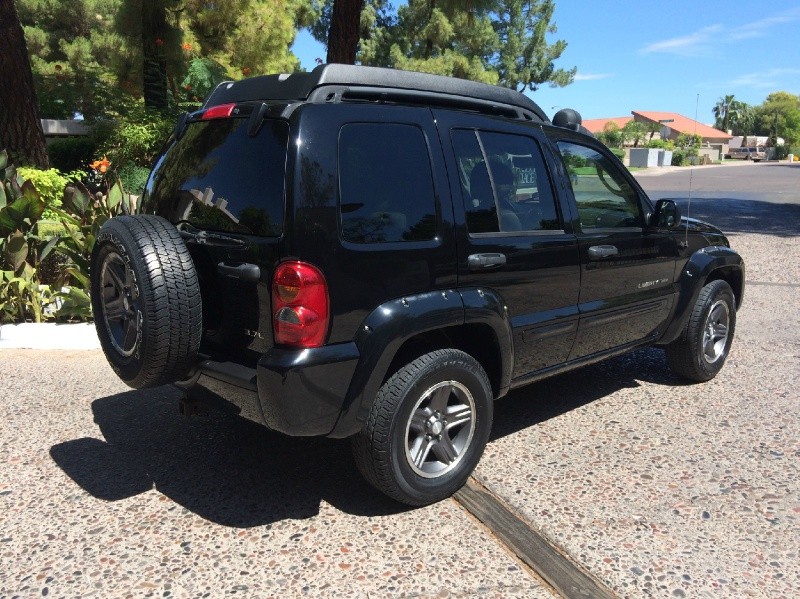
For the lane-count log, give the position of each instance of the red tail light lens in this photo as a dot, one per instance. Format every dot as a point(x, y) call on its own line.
point(223, 111)
point(300, 305)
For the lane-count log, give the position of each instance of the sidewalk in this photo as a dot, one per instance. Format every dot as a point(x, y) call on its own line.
point(31, 335)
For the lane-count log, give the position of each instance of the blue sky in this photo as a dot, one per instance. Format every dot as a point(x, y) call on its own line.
point(676, 56)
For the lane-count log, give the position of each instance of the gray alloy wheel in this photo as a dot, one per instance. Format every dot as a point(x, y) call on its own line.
point(715, 332)
point(440, 429)
point(427, 428)
point(701, 350)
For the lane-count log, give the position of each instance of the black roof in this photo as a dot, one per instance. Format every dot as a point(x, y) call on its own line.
point(337, 82)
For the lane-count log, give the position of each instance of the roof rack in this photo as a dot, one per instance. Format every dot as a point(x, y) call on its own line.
point(339, 82)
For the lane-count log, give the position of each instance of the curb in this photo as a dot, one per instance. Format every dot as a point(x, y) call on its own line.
point(48, 335)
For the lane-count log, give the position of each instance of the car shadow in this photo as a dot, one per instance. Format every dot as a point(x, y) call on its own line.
point(239, 474)
point(558, 395)
point(223, 468)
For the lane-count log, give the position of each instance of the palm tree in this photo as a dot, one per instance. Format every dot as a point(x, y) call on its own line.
point(722, 112)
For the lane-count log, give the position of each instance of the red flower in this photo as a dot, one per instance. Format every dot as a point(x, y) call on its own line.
point(159, 41)
point(187, 46)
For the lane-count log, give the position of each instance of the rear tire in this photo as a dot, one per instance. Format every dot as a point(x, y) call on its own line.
point(701, 350)
point(146, 300)
point(427, 428)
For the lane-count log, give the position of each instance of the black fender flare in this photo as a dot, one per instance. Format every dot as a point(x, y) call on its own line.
point(702, 266)
point(384, 331)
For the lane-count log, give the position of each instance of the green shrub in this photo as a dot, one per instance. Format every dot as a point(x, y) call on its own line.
point(50, 184)
point(656, 143)
point(72, 154)
point(133, 178)
point(679, 157)
point(134, 138)
point(618, 153)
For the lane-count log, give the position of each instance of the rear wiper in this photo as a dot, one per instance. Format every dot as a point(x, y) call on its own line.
point(207, 238)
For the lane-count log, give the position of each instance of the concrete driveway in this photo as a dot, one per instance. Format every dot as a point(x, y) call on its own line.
point(658, 489)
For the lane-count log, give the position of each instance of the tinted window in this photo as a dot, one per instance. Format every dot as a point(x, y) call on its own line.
point(604, 197)
point(216, 177)
point(385, 184)
point(504, 183)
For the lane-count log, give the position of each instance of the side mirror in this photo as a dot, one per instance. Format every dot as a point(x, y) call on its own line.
point(666, 215)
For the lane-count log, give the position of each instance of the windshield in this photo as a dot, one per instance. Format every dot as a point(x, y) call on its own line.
point(218, 178)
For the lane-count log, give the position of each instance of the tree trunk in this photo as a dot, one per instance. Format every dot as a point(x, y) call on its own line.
point(154, 67)
point(344, 32)
point(20, 128)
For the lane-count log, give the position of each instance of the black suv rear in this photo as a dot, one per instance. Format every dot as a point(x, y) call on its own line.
point(376, 254)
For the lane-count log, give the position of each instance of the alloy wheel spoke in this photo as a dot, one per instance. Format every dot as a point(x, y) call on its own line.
point(117, 278)
point(130, 333)
point(458, 415)
point(439, 399)
point(420, 450)
point(445, 450)
point(115, 309)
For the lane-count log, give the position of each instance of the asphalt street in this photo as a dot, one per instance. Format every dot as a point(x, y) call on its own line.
point(656, 488)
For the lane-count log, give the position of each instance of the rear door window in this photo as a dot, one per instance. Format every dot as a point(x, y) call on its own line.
point(218, 178)
point(386, 189)
point(504, 183)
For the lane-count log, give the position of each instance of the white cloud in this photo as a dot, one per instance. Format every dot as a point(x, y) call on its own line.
point(703, 41)
point(771, 79)
point(592, 76)
point(693, 44)
point(762, 27)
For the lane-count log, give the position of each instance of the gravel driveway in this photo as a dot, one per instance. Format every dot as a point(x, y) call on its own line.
point(660, 489)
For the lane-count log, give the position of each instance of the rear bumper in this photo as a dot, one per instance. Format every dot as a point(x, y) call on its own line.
point(301, 392)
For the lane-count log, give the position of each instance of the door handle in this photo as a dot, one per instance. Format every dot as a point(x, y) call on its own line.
point(479, 262)
point(598, 252)
point(250, 273)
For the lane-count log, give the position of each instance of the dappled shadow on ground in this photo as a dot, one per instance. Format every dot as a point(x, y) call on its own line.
point(558, 395)
point(223, 468)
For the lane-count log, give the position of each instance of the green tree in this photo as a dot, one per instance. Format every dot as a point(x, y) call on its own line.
point(634, 132)
point(722, 112)
point(526, 60)
point(611, 135)
point(494, 41)
point(742, 118)
point(73, 49)
point(779, 116)
point(20, 128)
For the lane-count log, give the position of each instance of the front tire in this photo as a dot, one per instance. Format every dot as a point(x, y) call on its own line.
point(701, 350)
point(427, 428)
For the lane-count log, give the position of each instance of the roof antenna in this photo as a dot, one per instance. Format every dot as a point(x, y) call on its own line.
point(691, 175)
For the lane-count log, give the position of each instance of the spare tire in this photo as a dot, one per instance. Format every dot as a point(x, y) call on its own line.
point(146, 300)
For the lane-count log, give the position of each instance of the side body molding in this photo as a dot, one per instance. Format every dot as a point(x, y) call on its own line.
point(385, 330)
point(713, 262)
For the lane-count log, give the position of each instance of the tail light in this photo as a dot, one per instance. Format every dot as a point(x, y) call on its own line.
point(300, 305)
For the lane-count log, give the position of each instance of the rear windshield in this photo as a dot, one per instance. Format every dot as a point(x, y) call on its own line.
point(218, 178)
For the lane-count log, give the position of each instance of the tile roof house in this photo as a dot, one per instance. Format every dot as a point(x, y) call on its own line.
point(597, 125)
point(674, 124)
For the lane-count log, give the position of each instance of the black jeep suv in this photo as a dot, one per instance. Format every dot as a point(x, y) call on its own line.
point(377, 254)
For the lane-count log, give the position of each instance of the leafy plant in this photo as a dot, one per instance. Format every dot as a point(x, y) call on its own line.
point(22, 296)
point(50, 184)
